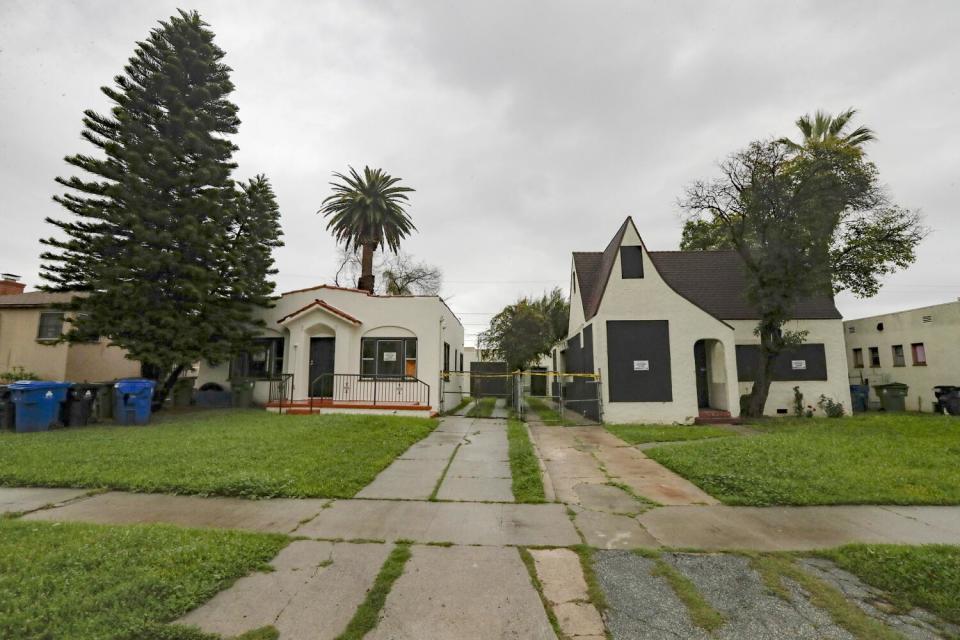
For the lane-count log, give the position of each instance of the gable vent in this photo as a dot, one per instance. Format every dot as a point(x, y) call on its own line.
point(851, 329)
point(927, 319)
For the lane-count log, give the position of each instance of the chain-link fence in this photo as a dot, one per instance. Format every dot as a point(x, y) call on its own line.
point(557, 398)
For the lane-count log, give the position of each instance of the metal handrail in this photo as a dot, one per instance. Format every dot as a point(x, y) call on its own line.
point(281, 390)
point(370, 389)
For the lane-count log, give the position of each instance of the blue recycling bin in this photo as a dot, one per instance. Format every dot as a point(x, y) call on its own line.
point(37, 403)
point(132, 400)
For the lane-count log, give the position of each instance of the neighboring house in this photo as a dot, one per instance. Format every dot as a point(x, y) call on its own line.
point(30, 331)
point(917, 347)
point(670, 335)
point(351, 351)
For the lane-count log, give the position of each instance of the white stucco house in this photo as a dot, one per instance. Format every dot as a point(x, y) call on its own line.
point(917, 347)
point(670, 336)
point(334, 349)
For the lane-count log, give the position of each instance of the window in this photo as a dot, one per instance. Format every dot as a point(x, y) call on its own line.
point(898, 359)
point(51, 326)
point(874, 356)
point(858, 358)
point(446, 362)
point(388, 357)
point(919, 354)
point(461, 362)
point(263, 361)
point(631, 262)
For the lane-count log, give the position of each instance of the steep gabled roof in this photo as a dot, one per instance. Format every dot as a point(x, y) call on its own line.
point(712, 280)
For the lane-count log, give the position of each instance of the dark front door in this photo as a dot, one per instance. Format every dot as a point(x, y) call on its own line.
point(321, 367)
point(700, 362)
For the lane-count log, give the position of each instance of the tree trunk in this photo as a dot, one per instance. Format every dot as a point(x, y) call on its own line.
point(366, 281)
point(161, 391)
point(770, 346)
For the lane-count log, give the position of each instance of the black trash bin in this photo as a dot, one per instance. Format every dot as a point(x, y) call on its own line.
point(6, 408)
point(948, 399)
point(78, 408)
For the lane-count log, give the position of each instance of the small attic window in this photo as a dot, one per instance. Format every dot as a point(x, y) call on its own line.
point(631, 262)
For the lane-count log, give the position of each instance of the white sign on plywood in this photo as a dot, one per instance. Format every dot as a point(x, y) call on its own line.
point(798, 365)
point(641, 365)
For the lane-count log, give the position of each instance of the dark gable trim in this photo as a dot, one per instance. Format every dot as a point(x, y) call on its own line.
point(629, 341)
point(813, 354)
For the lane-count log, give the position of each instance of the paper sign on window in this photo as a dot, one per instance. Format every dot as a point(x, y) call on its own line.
point(389, 356)
point(641, 365)
point(798, 365)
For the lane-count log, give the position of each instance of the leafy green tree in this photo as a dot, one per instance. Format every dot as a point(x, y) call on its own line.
point(368, 213)
point(556, 309)
point(787, 212)
point(870, 240)
point(170, 255)
point(527, 329)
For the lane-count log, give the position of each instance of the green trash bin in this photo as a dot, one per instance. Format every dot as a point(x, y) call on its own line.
point(183, 392)
point(242, 393)
point(103, 405)
point(893, 396)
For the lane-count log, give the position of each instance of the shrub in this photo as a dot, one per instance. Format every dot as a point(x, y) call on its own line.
point(831, 407)
point(17, 373)
point(798, 409)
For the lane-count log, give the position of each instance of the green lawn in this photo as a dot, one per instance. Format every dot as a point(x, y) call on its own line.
point(546, 413)
point(926, 576)
point(524, 466)
point(483, 408)
point(640, 433)
point(248, 453)
point(87, 582)
point(865, 459)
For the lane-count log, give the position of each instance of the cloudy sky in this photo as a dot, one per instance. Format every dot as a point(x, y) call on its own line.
point(529, 129)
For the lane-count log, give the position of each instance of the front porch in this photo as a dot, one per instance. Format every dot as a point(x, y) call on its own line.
point(355, 393)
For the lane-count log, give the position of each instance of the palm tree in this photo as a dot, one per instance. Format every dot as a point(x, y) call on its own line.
point(823, 128)
point(367, 212)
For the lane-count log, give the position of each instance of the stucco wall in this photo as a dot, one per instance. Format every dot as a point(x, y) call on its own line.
point(650, 298)
point(96, 362)
point(425, 317)
point(940, 337)
point(19, 346)
point(836, 386)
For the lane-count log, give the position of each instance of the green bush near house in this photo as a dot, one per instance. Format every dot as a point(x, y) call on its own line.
point(248, 453)
point(96, 582)
point(925, 576)
point(864, 459)
point(640, 433)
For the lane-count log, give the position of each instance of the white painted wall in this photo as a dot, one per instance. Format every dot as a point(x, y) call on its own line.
point(836, 386)
point(425, 317)
point(940, 337)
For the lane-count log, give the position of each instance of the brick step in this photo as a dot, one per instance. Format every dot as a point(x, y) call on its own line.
point(716, 416)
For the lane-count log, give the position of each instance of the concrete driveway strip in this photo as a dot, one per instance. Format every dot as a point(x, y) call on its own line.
point(799, 528)
point(468, 593)
point(312, 593)
point(277, 516)
point(23, 499)
point(477, 523)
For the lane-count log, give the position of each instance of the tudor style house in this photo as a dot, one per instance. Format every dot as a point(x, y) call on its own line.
point(670, 336)
point(333, 349)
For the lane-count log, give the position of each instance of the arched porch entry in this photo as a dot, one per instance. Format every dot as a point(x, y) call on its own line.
point(711, 375)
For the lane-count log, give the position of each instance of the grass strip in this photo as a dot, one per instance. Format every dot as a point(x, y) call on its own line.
point(527, 482)
point(436, 487)
point(702, 614)
point(926, 576)
point(367, 614)
point(460, 405)
point(594, 591)
point(483, 408)
point(640, 434)
point(531, 565)
point(110, 582)
point(774, 567)
point(547, 414)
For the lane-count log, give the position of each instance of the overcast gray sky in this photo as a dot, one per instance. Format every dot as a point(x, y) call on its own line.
point(529, 129)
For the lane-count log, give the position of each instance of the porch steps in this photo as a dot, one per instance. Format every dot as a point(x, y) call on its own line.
point(716, 416)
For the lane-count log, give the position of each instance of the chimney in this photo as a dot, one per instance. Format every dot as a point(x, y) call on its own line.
point(10, 284)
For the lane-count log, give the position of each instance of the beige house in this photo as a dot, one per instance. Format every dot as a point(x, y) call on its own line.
point(669, 335)
point(917, 347)
point(347, 350)
point(30, 329)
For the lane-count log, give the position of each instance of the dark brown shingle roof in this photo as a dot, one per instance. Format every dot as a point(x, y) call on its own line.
point(35, 299)
point(712, 280)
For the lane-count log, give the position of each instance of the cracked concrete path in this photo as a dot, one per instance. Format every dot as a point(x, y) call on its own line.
point(591, 455)
point(311, 594)
point(643, 605)
point(470, 455)
point(464, 593)
point(25, 499)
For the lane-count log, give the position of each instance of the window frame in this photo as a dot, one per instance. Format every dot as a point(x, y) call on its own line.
point(918, 362)
point(874, 357)
point(899, 358)
point(858, 358)
point(275, 347)
point(404, 358)
point(40, 326)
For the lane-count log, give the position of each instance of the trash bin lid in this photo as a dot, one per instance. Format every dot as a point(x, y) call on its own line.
point(37, 385)
point(133, 385)
point(891, 385)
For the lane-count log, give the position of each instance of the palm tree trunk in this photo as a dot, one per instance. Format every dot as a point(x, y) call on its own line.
point(366, 267)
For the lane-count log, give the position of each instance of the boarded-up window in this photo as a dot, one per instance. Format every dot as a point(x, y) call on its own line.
point(638, 359)
point(631, 262)
point(803, 362)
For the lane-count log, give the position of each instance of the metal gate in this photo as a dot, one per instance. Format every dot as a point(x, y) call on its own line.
point(558, 398)
point(487, 392)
